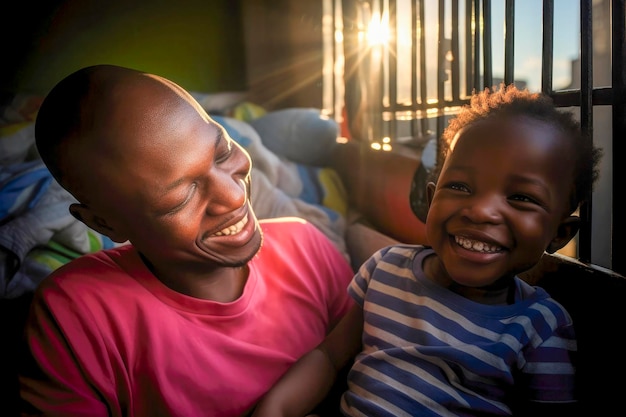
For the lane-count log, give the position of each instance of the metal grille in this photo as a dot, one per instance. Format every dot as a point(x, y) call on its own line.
point(465, 27)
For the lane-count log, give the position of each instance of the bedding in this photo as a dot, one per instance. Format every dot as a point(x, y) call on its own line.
point(37, 233)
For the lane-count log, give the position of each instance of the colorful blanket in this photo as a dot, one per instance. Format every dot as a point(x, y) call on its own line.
point(37, 233)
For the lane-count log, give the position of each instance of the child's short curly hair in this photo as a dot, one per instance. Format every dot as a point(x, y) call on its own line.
point(511, 101)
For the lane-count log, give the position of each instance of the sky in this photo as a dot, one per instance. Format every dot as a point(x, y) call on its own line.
point(528, 40)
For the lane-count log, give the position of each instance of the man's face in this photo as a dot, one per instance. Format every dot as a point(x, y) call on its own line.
point(173, 182)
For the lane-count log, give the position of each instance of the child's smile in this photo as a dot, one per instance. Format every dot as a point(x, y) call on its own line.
point(499, 199)
point(476, 245)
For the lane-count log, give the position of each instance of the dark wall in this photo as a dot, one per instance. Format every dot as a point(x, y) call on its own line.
point(284, 52)
point(197, 43)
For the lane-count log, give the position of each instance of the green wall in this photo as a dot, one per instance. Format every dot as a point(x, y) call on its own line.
point(196, 43)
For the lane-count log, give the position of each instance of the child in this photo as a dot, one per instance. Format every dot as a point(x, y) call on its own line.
point(450, 329)
point(207, 307)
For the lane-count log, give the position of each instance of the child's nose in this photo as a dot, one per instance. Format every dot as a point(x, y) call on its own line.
point(484, 209)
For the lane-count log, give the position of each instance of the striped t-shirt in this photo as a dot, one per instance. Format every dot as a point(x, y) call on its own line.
point(428, 351)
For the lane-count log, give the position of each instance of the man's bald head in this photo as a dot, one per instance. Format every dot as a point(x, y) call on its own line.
point(92, 107)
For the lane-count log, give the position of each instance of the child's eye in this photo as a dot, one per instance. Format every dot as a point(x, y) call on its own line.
point(523, 198)
point(457, 186)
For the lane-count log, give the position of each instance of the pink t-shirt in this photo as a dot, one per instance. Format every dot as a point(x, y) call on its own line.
point(110, 339)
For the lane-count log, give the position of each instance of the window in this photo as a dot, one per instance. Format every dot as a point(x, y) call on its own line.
point(399, 69)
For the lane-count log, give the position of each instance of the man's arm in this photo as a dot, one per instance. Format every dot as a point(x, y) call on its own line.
point(49, 368)
point(310, 379)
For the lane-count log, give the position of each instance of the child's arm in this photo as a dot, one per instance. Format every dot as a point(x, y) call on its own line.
point(547, 409)
point(310, 379)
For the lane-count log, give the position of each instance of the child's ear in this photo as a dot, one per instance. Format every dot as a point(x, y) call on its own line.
point(566, 232)
point(84, 214)
point(430, 192)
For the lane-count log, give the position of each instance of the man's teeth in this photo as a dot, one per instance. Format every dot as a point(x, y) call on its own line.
point(234, 229)
point(476, 245)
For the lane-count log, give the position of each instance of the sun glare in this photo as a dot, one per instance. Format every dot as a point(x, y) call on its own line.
point(378, 32)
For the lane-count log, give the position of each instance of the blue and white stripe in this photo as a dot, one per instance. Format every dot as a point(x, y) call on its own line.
point(430, 352)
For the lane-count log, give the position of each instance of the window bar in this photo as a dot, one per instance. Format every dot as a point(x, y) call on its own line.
point(586, 116)
point(487, 55)
point(377, 115)
point(454, 47)
point(547, 47)
point(469, 47)
point(618, 259)
point(441, 59)
point(338, 79)
point(509, 42)
point(476, 36)
point(415, 125)
point(336, 112)
point(353, 59)
point(392, 53)
point(423, 91)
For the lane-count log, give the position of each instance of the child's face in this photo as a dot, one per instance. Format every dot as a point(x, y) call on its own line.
point(175, 184)
point(502, 193)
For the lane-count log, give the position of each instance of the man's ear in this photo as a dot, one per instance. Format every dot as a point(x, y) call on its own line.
point(84, 214)
point(566, 232)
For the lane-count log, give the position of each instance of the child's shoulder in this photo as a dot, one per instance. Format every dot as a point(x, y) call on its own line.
point(404, 249)
point(400, 254)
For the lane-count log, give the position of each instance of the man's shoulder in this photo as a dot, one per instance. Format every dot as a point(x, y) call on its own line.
point(287, 224)
point(93, 264)
point(293, 229)
point(283, 221)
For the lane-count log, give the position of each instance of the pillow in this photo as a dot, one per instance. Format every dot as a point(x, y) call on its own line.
point(19, 108)
point(17, 128)
point(219, 103)
point(302, 135)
